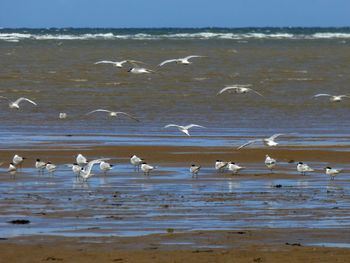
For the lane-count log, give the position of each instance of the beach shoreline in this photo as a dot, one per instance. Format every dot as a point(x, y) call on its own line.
point(269, 245)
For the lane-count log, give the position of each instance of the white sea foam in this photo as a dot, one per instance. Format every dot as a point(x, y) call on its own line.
point(13, 37)
point(330, 35)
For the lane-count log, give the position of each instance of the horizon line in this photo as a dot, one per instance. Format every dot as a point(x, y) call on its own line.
point(206, 27)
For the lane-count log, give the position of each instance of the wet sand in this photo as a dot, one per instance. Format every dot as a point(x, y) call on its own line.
point(179, 155)
point(260, 223)
point(279, 245)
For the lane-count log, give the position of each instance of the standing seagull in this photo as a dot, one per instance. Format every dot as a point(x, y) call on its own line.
point(105, 167)
point(270, 162)
point(194, 169)
point(114, 113)
point(15, 104)
point(50, 167)
point(332, 172)
point(18, 160)
point(220, 165)
point(75, 168)
point(333, 98)
point(234, 168)
point(12, 168)
point(40, 165)
point(183, 129)
point(303, 168)
point(239, 89)
point(136, 162)
point(118, 64)
point(183, 61)
point(81, 160)
point(146, 168)
point(267, 141)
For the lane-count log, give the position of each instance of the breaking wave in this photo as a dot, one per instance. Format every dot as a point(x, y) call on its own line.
point(159, 35)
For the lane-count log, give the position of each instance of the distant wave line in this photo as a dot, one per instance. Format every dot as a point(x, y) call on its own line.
point(172, 36)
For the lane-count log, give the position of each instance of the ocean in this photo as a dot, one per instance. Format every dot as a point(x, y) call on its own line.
point(55, 67)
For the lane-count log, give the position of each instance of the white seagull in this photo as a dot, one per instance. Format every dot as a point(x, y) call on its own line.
point(81, 160)
point(194, 169)
point(267, 141)
point(136, 162)
point(146, 168)
point(303, 168)
point(118, 64)
point(85, 172)
point(12, 169)
point(76, 168)
point(220, 165)
point(105, 167)
point(15, 104)
point(62, 115)
point(114, 113)
point(183, 129)
point(137, 70)
point(333, 98)
point(50, 167)
point(234, 168)
point(239, 89)
point(40, 165)
point(332, 172)
point(183, 61)
point(18, 160)
point(270, 162)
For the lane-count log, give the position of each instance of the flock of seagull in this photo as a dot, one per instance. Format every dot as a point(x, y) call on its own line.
point(83, 168)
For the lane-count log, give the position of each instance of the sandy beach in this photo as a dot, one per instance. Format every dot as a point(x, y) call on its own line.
point(279, 245)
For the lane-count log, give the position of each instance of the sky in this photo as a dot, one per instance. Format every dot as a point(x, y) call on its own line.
point(174, 13)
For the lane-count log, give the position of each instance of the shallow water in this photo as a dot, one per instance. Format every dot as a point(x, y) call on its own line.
point(125, 203)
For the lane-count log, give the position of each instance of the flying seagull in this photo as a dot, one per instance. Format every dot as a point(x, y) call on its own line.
point(270, 141)
point(239, 89)
point(183, 61)
point(183, 129)
point(15, 104)
point(114, 113)
point(118, 64)
point(333, 98)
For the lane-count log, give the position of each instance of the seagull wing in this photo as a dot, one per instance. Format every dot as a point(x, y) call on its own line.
point(25, 99)
point(133, 61)
point(256, 92)
point(105, 62)
point(248, 143)
point(172, 125)
point(98, 110)
point(150, 70)
point(167, 61)
point(322, 95)
point(273, 137)
point(225, 89)
point(344, 96)
point(193, 125)
point(193, 56)
point(90, 164)
point(128, 115)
